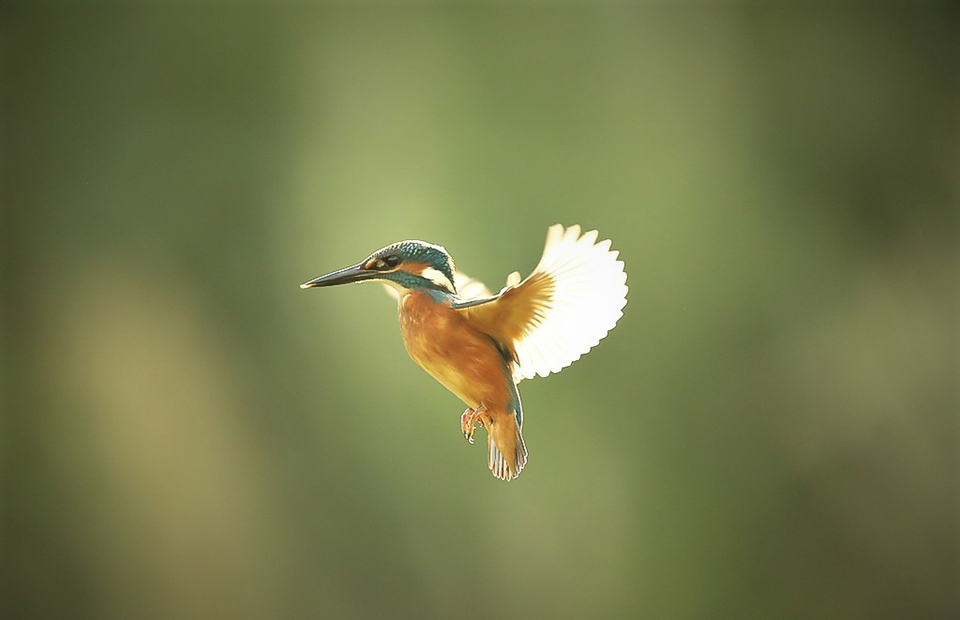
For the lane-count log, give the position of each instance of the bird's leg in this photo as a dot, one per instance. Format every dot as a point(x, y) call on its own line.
point(469, 419)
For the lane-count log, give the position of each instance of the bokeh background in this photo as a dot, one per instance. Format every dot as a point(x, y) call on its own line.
point(770, 432)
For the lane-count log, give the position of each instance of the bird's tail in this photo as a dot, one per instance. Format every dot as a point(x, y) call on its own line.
point(506, 451)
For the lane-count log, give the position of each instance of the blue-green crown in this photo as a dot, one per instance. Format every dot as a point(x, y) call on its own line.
point(433, 256)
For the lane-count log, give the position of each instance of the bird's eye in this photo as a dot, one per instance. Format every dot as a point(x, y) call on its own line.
point(392, 261)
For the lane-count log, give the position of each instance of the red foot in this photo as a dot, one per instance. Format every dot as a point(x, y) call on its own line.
point(463, 423)
point(469, 420)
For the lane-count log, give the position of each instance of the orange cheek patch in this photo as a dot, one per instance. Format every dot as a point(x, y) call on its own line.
point(414, 268)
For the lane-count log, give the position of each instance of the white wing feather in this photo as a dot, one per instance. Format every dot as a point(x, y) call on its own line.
point(584, 301)
point(469, 288)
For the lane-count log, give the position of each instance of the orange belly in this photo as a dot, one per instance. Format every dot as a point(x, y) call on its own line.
point(462, 359)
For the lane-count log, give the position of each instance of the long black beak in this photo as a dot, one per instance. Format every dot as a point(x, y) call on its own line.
point(355, 273)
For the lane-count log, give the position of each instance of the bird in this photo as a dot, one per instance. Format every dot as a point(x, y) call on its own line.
point(479, 345)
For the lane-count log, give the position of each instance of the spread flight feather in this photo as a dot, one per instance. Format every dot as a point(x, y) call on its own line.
point(573, 298)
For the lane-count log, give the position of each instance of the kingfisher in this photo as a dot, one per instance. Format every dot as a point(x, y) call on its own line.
point(479, 345)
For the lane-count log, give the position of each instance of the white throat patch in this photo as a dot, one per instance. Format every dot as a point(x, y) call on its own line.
point(395, 290)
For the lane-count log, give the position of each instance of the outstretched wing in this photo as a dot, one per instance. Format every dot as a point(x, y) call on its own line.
point(573, 298)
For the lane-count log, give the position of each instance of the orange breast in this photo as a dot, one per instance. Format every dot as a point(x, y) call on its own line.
point(462, 359)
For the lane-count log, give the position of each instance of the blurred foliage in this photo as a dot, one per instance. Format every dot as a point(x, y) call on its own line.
point(770, 432)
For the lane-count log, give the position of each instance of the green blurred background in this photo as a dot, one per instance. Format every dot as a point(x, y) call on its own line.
point(770, 432)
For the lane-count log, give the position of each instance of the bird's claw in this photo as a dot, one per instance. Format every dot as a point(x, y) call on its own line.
point(463, 424)
point(468, 421)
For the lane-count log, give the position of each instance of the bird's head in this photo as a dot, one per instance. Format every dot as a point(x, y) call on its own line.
point(406, 265)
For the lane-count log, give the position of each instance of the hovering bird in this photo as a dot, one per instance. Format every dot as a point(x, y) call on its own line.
point(480, 346)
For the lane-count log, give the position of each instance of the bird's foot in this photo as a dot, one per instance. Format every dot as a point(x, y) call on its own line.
point(469, 420)
point(463, 423)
